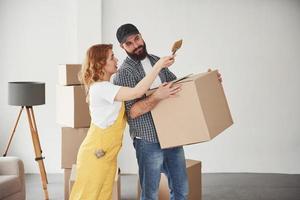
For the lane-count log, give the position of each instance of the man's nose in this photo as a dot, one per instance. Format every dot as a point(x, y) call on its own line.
point(136, 45)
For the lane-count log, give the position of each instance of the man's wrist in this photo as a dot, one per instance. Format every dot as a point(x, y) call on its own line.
point(143, 106)
point(151, 101)
point(153, 97)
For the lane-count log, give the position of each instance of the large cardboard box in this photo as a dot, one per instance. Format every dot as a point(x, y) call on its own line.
point(71, 139)
point(116, 195)
point(193, 168)
point(67, 174)
point(71, 107)
point(198, 114)
point(68, 74)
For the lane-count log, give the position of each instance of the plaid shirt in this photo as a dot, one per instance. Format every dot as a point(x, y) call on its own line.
point(130, 73)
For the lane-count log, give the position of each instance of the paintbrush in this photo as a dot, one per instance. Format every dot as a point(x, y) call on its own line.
point(176, 46)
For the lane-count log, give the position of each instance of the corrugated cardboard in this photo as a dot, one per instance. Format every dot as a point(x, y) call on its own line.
point(199, 113)
point(71, 107)
point(67, 173)
point(72, 178)
point(68, 74)
point(71, 139)
point(193, 168)
point(116, 194)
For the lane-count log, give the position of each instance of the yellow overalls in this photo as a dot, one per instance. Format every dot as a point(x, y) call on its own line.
point(97, 161)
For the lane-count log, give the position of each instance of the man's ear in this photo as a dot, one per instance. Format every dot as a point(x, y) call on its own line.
point(122, 46)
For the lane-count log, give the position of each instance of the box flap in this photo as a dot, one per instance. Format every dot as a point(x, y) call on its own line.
point(184, 79)
point(195, 76)
point(149, 92)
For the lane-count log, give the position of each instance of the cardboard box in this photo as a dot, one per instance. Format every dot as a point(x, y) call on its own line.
point(116, 195)
point(71, 139)
point(67, 174)
point(68, 74)
point(199, 113)
point(72, 178)
point(71, 107)
point(193, 168)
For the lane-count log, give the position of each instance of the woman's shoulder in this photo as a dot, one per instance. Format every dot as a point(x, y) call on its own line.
point(103, 90)
point(102, 85)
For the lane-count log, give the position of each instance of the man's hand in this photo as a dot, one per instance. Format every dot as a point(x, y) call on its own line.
point(219, 75)
point(166, 90)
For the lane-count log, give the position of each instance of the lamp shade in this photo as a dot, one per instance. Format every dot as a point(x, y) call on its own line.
point(26, 93)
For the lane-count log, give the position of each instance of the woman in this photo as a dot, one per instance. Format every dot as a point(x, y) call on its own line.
point(97, 156)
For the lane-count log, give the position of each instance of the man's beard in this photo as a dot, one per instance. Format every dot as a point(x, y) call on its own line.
point(141, 56)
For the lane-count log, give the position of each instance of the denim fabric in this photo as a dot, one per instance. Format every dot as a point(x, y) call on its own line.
point(153, 160)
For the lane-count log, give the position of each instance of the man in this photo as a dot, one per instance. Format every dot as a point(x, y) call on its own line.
point(152, 160)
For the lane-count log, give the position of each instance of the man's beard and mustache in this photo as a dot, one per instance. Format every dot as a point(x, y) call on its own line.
point(138, 56)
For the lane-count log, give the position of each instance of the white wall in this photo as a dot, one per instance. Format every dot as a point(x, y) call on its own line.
point(36, 36)
point(255, 45)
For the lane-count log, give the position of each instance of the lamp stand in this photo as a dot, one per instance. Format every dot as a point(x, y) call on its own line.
point(36, 145)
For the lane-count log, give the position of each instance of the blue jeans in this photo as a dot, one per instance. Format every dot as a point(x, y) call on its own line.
point(153, 160)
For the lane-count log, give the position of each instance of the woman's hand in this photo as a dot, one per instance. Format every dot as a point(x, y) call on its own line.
point(166, 61)
point(167, 90)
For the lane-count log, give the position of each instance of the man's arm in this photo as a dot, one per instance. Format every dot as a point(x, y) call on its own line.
point(138, 107)
point(146, 105)
point(164, 91)
point(143, 106)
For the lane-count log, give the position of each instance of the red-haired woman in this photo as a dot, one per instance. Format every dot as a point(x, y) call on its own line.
point(97, 156)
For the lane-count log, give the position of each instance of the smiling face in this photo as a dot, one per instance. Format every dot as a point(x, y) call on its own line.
point(135, 47)
point(111, 63)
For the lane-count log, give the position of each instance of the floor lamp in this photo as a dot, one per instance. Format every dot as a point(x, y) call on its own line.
point(26, 95)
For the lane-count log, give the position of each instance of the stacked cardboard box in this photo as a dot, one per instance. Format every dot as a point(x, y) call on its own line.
point(193, 168)
point(73, 115)
point(70, 143)
point(72, 109)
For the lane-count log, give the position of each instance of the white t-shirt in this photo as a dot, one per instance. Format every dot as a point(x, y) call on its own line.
point(147, 68)
point(104, 109)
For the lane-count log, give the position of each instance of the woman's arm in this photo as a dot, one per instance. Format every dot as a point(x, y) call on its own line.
point(127, 93)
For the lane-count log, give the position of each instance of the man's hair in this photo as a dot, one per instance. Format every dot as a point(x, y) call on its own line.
point(125, 31)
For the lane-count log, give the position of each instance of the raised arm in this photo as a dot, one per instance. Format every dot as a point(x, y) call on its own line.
point(128, 93)
point(164, 91)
